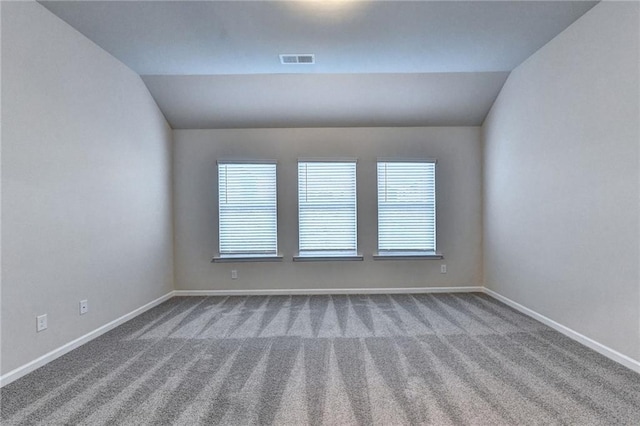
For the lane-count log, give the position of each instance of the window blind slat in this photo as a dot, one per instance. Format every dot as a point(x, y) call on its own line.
point(327, 207)
point(406, 206)
point(247, 207)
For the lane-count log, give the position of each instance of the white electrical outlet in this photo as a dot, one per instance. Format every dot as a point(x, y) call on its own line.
point(41, 323)
point(84, 307)
point(234, 274)
point(443, 269)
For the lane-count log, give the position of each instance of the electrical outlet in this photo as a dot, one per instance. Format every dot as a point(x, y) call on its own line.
point(234, 274)
point(84, 307)
point(41, 323)
point(443, 269)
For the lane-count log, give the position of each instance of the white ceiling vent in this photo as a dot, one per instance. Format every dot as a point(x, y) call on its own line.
point(304, 59)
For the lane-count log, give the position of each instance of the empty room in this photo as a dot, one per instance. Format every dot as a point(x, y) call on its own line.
point(320, 212)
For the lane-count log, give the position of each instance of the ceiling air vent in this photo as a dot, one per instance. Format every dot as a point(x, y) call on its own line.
point(306, 59)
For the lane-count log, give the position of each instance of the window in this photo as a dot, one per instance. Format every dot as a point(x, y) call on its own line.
point(247, 210)
point(327, 209)
point(406, 208)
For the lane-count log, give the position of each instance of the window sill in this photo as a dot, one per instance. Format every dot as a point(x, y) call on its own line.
point(407, 255)
point(247, 258)
point(327, 258)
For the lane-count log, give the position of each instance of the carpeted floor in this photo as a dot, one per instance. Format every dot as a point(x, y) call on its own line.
point(335, 360)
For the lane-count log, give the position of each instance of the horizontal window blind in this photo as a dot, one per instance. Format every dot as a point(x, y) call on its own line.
point(406, 206)
point(247, 209)
point(327, 208)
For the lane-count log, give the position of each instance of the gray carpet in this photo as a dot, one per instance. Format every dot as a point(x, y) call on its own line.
point(335, 360)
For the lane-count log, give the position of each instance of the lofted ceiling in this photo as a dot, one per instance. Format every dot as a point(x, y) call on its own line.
point(215, 64)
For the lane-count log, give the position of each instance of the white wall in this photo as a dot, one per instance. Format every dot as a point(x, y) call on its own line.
point(458, 191)
point(86, 199)
point(561, 174)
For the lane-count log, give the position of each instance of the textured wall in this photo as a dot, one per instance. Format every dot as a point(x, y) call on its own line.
point(458, 191)
point(86, 199)
point(561, 180)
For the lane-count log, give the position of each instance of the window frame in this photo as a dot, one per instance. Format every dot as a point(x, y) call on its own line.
point(330, 254)
point(408, 254)
point(248, 256)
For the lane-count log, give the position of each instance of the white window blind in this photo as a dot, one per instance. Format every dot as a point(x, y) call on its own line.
point(247, 209)
point(327, 208)
point(406, 206)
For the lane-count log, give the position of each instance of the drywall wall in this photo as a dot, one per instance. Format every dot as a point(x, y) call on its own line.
point(458, 202)
point(86, 199)
point(561, 174)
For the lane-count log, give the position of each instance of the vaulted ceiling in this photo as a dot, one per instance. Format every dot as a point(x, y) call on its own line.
point(215, 64)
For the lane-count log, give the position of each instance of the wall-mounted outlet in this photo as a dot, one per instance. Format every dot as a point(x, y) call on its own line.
point(443, 269)
point(234, 274)
point(84, 307)
point(41, 323)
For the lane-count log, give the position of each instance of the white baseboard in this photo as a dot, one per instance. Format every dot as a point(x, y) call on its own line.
point(580, 338)
point(320, 291)
point(56, 353)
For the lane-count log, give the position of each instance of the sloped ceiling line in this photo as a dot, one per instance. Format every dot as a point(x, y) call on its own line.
point(215, 64)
